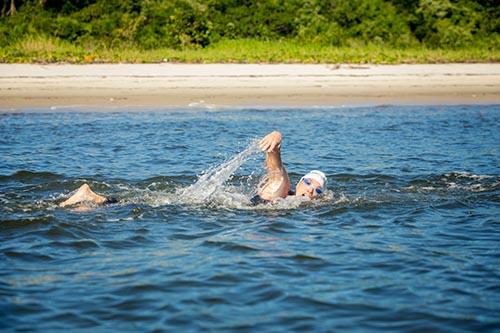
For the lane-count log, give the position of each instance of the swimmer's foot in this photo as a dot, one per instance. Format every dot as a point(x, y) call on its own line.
point(83, 194)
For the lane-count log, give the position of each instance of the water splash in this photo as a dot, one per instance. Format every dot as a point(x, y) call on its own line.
point(209, 189)
point(211, 182)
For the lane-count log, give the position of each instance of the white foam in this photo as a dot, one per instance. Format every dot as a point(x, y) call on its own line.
point(467, 175)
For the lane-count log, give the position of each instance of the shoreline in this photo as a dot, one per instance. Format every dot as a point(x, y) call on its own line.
point(24, 86)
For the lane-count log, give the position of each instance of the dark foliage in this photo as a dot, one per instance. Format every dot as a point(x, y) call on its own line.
point(197, 23)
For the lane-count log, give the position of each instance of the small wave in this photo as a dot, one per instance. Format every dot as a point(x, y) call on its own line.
point(453, 182)
point(465, 175)
point(26, 222)
point(25, 175)
point(27, 256)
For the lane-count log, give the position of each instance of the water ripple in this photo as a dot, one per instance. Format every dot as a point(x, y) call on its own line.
point(405, 238)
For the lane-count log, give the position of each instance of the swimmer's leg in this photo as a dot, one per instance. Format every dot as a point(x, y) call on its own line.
point(84, 193)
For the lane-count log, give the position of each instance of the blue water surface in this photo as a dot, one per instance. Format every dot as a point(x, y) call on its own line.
point(406, 240)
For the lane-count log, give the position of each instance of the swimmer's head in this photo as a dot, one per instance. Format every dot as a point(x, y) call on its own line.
point(311, 184)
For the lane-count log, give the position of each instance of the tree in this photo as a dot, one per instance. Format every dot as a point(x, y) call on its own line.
point(12, 11)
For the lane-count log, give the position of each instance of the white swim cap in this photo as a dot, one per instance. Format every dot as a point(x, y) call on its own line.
point(318, 176)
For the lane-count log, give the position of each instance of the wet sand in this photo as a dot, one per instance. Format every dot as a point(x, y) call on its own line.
point(219, 85)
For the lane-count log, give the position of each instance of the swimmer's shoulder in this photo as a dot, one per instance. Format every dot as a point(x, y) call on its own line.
point(275, 184)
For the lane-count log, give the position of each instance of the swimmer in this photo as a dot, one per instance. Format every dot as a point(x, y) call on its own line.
point(275, 184)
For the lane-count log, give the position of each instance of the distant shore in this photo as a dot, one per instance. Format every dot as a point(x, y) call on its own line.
point(25, 86)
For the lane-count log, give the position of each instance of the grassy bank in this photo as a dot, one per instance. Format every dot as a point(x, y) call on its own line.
point(52, 50)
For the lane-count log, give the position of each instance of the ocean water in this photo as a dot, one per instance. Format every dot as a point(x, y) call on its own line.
point(406, 239)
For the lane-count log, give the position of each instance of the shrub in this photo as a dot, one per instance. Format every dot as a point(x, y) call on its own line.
point(151, 24)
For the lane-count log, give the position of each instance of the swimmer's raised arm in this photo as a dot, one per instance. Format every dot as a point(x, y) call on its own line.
point(271, 145)
point(276, 184)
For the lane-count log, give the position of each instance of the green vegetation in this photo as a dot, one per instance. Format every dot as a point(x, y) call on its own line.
point(308, 31)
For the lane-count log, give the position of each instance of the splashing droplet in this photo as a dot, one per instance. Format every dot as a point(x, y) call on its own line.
point(210, 182)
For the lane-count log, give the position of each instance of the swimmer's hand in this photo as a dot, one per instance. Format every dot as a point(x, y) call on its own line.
point(271, 142)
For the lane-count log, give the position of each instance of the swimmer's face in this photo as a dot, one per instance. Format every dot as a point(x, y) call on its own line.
point(304, 190)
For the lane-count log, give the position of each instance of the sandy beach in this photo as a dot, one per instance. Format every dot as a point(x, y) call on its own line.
point(24, 86)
